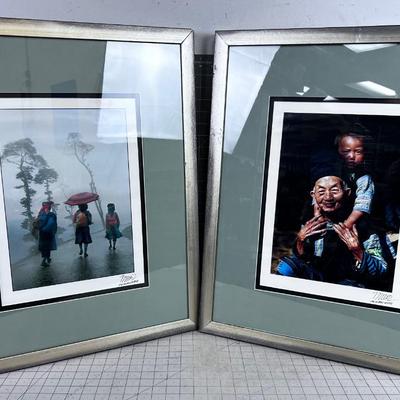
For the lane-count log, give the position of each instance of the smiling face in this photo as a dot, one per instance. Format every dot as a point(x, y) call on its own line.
point(329, 193)
point(351, 149)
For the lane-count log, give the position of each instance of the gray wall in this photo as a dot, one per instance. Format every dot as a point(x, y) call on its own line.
point(206, 16)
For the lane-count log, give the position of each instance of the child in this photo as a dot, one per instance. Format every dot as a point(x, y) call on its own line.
point(112, 226)
point(82, 219)
point(351, 147)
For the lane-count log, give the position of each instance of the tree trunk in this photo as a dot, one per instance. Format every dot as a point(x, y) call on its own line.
point(28, 205)
point(48, 192)
point(98, 203)
point(92, 186)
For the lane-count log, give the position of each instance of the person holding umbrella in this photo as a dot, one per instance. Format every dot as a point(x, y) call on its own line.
point(82, 219)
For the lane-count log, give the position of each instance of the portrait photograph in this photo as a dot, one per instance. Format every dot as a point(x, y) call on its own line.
point(71, 198)
point(330, 215)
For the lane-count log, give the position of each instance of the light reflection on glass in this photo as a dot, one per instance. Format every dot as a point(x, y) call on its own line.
point(247, 70)
point(324, 71)
point(362, 47)
point(304, 91)
point(372, 88)
point(151, 71)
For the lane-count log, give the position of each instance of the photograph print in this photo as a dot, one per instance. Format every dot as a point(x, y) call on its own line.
point(330, 215)
point(71, 202)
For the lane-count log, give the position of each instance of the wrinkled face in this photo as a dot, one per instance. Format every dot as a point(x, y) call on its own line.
point(351, 149)
point(329, 194)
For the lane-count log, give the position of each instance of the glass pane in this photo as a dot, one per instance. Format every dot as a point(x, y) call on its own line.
point(257, 73)
point(112, 71)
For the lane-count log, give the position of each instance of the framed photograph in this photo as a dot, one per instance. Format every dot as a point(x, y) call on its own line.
point(302, 220)
point(98, 201)
point(71, 197)
point(334, 164)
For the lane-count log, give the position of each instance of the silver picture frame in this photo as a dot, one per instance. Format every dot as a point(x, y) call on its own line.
point(121, 33)
point(224, 41)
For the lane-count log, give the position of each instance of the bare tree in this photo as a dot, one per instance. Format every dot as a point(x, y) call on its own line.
point(80, 150)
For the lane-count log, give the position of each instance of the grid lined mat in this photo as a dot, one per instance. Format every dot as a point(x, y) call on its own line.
point(197, 366)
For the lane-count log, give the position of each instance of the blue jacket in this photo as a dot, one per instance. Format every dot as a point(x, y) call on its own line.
point(326, 258)
point(47, 230)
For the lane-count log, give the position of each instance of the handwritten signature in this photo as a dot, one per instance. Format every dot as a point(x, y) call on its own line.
point(128, 279)
point(382, 298)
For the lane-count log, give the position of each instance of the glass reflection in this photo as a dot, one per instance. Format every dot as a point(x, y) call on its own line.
point(153, 72)
point(323, 71)
point(328, 71)
point(247, 70)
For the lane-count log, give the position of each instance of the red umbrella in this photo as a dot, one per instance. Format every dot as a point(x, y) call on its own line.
point(82, 198)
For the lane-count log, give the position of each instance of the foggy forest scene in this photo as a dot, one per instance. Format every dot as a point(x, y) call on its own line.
point(48, 155)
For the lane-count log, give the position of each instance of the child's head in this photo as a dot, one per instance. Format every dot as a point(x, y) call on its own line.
point(351, 145)
point(111, 207)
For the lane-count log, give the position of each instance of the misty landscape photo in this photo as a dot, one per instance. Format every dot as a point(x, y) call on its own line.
point(48, 155)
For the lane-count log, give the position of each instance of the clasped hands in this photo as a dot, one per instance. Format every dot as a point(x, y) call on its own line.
point(317, 225)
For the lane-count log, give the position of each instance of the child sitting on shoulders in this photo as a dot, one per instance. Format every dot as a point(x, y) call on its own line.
point(351, 147)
